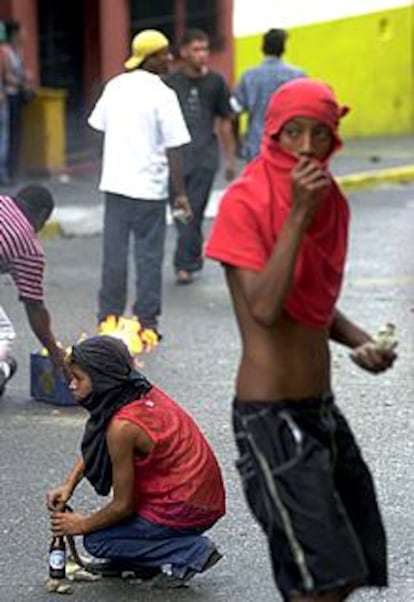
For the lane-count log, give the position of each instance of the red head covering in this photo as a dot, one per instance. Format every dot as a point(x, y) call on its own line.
point(253, 210)
point(303, 98)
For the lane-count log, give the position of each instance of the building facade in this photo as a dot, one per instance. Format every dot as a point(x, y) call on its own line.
point(364, 49)
point(76, 46)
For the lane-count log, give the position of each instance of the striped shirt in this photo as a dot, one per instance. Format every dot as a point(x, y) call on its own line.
point(21, 254)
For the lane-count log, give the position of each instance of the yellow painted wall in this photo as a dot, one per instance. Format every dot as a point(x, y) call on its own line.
point(369, 60)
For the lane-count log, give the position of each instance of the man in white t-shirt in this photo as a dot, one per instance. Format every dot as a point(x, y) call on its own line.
point(143, 133)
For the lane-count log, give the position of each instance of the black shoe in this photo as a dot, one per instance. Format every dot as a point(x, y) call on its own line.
point(167, 580)
point(12, 365)
point(155, 330)
point(3, 381)
point(103, 567)
point(159, 335)
point(110, 568)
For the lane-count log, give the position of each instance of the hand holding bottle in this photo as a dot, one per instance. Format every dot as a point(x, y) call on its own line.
point(58, 497)
point(67, 523)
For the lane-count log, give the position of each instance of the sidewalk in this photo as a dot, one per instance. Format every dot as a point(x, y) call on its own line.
point(362, 163)
point(367, 162)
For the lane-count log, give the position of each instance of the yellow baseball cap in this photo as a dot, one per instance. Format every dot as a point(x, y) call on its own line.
point(144, 44)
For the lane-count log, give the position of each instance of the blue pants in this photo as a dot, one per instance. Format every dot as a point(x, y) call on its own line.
point(140, 542)
point(15, 133)
point(146, 220)
point(4, 140)
point(189, 250)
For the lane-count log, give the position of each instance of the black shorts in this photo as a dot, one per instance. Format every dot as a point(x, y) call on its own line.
point(309, 488)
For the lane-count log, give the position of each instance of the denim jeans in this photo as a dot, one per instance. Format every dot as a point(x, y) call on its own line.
point(189, 249)
point(15, 133)
point(146, 220)
point(137, 541)
point(4, 140)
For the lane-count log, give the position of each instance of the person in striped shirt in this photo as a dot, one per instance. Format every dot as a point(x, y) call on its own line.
point(22, 256)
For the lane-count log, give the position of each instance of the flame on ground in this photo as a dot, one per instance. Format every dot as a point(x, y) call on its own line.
point(129, 330)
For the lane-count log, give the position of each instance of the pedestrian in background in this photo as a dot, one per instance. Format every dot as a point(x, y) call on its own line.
point(144, 131)
point(257, 85)
point(281, 234)
point(5, 80)
point(204, 99)
point(22, 256)
point(20, 91)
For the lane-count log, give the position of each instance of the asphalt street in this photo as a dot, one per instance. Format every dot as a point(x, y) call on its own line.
point(196, 363)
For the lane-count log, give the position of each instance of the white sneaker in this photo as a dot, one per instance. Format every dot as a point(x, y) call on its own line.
point(8, 369)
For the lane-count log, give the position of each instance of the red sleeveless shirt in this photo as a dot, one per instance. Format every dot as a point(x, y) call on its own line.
point(179, 483)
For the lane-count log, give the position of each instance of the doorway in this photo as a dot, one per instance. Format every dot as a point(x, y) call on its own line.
point(61, 51)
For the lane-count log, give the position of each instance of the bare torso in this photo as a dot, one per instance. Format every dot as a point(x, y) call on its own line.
point(284, 362)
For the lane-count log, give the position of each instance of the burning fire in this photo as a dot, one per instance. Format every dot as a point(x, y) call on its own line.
point(129, 330)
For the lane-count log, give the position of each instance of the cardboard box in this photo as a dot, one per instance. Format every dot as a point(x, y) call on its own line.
point(45, 385)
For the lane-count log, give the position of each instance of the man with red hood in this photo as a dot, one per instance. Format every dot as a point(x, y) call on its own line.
point(281, 235)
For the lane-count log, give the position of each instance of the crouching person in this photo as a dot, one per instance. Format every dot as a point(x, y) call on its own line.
point(167, 487)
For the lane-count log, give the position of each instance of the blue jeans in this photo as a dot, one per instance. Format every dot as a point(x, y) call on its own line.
point(137, 541)
point(4, 140)
point(146, 220)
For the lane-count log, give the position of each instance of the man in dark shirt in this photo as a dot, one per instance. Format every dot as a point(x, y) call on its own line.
point(204, 100)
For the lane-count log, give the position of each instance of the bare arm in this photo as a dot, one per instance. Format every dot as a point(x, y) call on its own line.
point(180, 200)
point(347, 333)
point(9, 78)
point(57, 498)
point(366, 354)
point(121, 446)
point(124, 439)
point(76, 474)
point(40, 323)
point(228, 142)
point(266, 291)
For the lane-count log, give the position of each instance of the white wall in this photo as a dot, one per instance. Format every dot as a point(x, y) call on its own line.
point(256, 16)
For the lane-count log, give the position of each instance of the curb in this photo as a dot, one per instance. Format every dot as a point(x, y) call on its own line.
point(51, 230)
point(371, 179)
point(75, 221)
